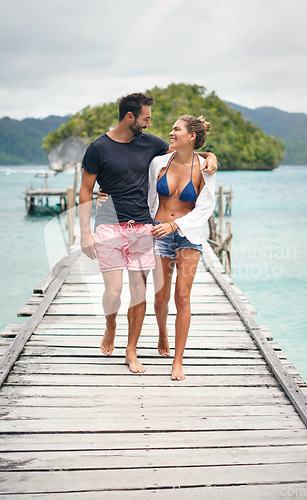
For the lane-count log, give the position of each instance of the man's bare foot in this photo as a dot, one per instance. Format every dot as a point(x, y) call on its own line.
point(177, 373)
point(133, 363)
point(107, 343)
point(163, 345)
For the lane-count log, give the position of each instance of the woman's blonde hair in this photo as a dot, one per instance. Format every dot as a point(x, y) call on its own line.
point(199, 126)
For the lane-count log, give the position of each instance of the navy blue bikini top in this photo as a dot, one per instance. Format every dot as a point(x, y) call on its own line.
point(187, 194)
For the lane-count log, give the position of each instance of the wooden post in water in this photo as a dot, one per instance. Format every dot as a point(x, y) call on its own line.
point(71, 212)
point(221, 219)
point(228, 202)
point(228, 249)
point(77, 177)
point(216, 236)
point(212, 227)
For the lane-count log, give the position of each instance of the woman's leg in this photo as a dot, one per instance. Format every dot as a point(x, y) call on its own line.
point(186, 263)
point(163, 281)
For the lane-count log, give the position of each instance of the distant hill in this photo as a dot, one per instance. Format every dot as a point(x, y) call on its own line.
point(21, 140)
point(238, 143)
point(290, 127)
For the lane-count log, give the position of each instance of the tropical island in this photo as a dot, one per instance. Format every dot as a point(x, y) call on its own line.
point(238, 143)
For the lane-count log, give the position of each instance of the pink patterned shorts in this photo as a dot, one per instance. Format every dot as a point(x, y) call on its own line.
point(126, 245)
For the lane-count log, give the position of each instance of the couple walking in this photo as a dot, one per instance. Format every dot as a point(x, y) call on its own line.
point(153, 201)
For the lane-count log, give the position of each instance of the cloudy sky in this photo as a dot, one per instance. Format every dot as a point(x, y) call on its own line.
point(58, 56)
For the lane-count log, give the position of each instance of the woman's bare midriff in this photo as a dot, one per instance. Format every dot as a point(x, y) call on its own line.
point(171, 209)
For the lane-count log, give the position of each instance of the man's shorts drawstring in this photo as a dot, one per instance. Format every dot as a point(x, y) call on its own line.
point(130, 225)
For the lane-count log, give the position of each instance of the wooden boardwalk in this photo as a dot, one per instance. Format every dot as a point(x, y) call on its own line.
point(78, 425)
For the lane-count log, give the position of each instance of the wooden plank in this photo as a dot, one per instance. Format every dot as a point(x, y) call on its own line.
point(97, 279)
point(266, 332)
point(149, 332)
point(153, 361)
point(99, 320)
point(10, 330)
point(293, 371)
point(284, 378)
point(96, 301)
point(143, 353)
point(96, 309)
point(270, 438)
point(71, 290)
point(64, 261)
point(104, 369)
point(115, 422)
point(192, 409)
point(192, 342)
point(92, 309)
point(27, 329)
point(209, 492)
point(62, 417)
point(157, 477)
point(199, 294)
point(231, 401)
point(110, 459)
point(122, 323)
point(91, 396)
point(149, 324)
point(147, 378)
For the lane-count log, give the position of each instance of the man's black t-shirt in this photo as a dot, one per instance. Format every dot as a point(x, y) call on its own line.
point(122, 173)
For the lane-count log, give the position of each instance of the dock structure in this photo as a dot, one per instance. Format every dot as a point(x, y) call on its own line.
point(48, 201)
point(78, 425)
point(40, 198)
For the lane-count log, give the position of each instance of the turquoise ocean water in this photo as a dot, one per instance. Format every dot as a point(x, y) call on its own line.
point(269, 225)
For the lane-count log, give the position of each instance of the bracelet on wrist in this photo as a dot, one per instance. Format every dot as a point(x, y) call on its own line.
point(172, 226)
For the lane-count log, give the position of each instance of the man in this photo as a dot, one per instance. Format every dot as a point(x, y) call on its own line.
point(119, 161)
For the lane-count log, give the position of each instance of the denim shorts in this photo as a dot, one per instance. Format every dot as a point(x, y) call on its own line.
point(170, 244)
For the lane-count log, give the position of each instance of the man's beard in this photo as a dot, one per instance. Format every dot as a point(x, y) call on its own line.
point(136, 129)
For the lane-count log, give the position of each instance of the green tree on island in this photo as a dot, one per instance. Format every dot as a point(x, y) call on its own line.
point(238, 143)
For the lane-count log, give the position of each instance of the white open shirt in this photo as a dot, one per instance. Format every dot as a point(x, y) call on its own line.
point(190, 225)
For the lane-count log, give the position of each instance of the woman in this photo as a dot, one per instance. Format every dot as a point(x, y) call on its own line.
point(181, 199)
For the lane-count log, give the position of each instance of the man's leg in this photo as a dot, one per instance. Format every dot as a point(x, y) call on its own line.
point(113, 282)
point(136, 314)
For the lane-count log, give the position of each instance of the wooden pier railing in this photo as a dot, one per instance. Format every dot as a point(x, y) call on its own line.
point(221, 245)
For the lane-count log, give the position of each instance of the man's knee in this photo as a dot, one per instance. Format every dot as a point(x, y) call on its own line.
point(112, 294)
point(137, 284)
point(138, 292)
point(161, 300)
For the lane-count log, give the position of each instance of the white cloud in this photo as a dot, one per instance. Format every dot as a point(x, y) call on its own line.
point(59, 56)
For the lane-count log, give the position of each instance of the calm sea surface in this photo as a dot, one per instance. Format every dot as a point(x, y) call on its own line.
point(269, 224)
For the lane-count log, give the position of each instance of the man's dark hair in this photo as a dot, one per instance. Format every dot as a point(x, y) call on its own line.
point(133, 103)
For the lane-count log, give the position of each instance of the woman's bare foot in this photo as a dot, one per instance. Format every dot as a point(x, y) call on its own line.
point(133, 363)
point(177, 373)
point(163, 345)
point(107, 343)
